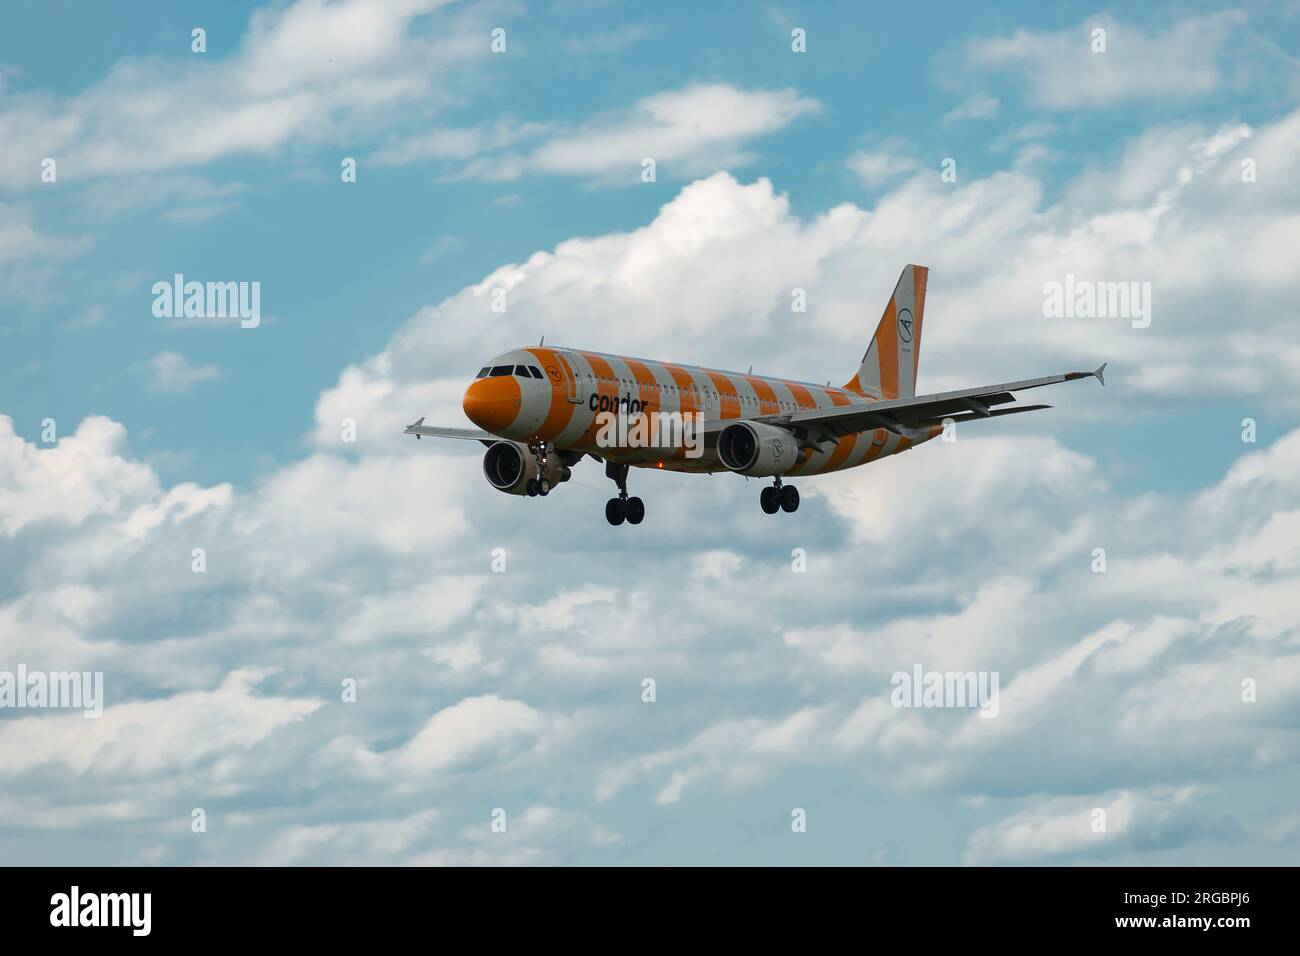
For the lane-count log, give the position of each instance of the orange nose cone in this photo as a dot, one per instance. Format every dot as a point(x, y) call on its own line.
point(492, 403)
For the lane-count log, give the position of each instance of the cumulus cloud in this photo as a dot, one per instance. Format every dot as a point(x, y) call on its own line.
point(146, 738)
point(369, 564)
point(465, 682)
point(724, 256)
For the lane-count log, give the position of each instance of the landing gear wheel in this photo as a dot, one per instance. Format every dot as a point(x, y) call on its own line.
point(768, 500)
point(789, 498)
point(544, 489)
point(531, 487)
point(622, 508)
point(614, 511)
point(634, 510)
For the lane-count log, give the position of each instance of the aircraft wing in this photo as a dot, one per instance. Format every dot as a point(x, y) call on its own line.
point(911, 416)
point(421, 430)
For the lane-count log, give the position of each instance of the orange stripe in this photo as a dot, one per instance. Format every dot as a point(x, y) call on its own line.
point(802, 397)
point(560, 413)
point(646, 379)
point(602, 371)
point(841, 452)
point(729, 404)
point(649, 394)
point(887, 352)
point(767, 403)
point(688, 401)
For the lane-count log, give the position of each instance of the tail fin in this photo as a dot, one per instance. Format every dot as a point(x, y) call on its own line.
point(889, 367)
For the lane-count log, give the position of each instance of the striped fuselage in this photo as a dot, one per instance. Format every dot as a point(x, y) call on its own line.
point(563, 407)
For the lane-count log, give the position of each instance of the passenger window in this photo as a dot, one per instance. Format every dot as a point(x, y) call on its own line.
point(500, 370)
point(482, 373)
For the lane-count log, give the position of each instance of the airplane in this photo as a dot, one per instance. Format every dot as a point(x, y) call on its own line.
point(541, 410)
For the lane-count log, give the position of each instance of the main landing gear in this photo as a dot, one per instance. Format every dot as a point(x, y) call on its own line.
point(539, 485)
point(622, 508)
point(779, 496)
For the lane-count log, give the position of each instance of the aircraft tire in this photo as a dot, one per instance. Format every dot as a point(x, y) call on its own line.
point(614, 511)
point(789, 498)
point(634, 510)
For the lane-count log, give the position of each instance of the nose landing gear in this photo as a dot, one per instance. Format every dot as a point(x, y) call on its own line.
point(548, 475)
point(779, 497)
point(622, 508)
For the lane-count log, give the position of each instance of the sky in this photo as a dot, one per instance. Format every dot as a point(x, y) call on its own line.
point(380, 659)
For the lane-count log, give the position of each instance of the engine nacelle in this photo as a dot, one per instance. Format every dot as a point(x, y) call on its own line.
point(508, 466)
point(753, 448)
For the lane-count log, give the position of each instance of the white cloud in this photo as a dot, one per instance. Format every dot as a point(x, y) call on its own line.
point(84, 474)
point(1060, 69)
point(32, 259)
point(975, 106)
point(172, 374)
point(884, 165)
point(722, 257)
point(1074, 827)
point(373, 561)
point(471, 728)
point(440, 248)
point(145, 738)
point(308, 72)
point(687, 132)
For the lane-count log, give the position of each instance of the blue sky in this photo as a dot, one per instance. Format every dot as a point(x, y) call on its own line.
point(522, 170)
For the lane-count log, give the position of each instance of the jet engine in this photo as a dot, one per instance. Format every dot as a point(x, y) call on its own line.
point(757, 449)
point(512, 468)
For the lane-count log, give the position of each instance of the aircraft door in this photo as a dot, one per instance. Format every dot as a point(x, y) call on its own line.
point(572, 379)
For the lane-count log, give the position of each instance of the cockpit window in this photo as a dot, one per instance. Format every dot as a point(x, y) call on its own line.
point(500, 370)
point(537, 372)
point(482, 373)
point(522, 371)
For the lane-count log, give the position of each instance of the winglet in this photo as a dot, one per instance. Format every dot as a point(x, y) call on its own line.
point(411, 428)
point(1100, 373)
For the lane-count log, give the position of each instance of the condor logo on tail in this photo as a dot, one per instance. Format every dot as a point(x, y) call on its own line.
point(905, 325)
